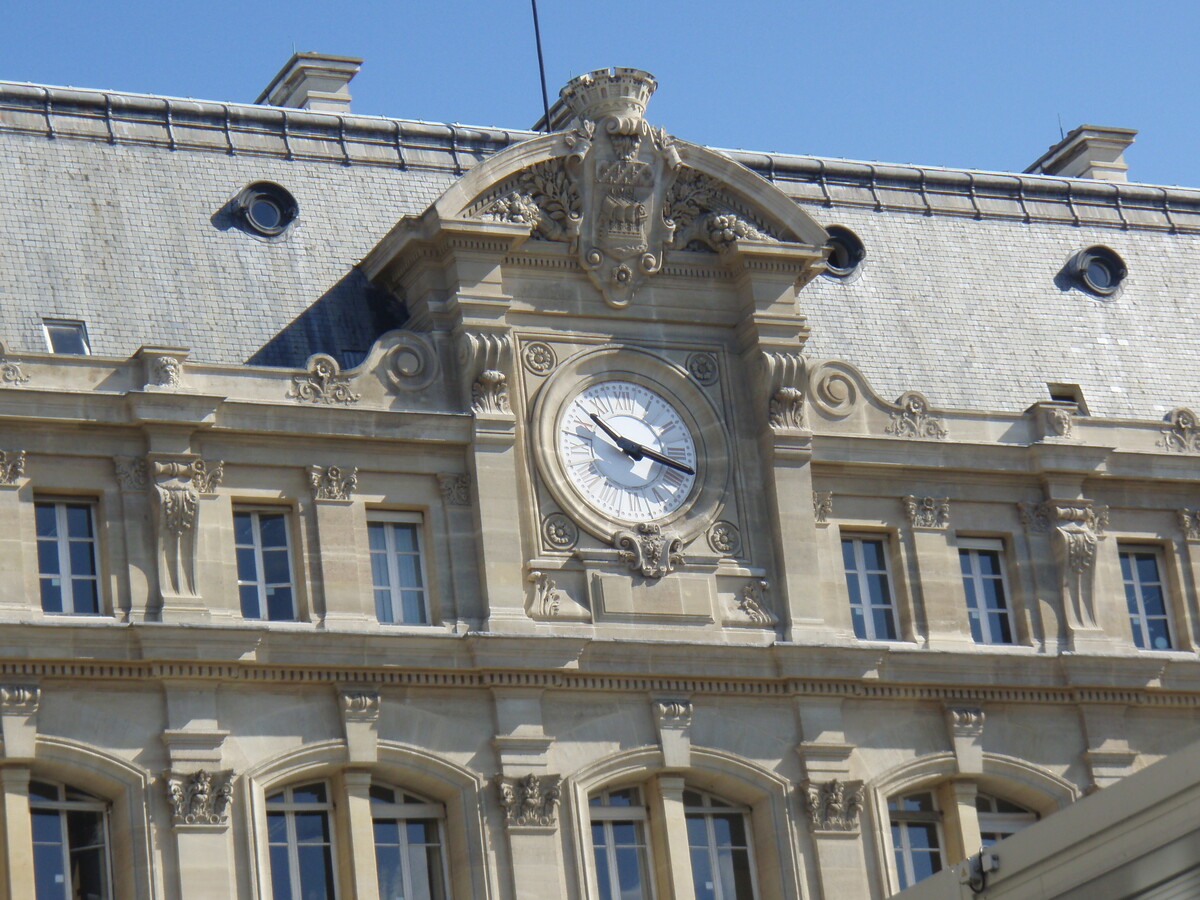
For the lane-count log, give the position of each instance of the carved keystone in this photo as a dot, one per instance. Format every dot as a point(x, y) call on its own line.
point(673, 722)
point(965, 727)
point(360, 718)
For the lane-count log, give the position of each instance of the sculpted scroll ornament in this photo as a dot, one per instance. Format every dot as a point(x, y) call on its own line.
point(754, 603)
point(201, 798)
point(485, 357)
point(834, 805)
point(531, 800)
point(333, 483)
point(1189, 521)
point(927, 512)
point(10, 370)
point(205, 479)
point(1077, 530)
point(323, 383)
point(546, 596)
point(411, 363)
point(1183, 432)
point(650, 552)
point(12, 466)
point(912, 420)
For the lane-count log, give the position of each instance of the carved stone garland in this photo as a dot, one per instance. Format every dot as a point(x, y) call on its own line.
point(531, 800)
point(912, 419)
point(200, 798)
point(333, 483)
point(650, 551)
point(1183, 432)
point(834, 805)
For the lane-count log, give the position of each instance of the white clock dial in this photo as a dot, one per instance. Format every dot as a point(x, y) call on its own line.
point(608, 435)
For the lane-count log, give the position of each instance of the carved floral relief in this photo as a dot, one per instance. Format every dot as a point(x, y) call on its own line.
point(200, 798)
point(1182, 434)
point(323, 383)
point(834, 805)
point(530, 800)
point(649, 551)
point(913, 420)
point(12, 466)
point(332, 483)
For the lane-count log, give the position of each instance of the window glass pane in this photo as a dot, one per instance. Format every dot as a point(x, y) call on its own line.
point(1001, 633)
point(47, 521)
point(41, 790)
point(79, 520)
point(435, 873)
point(873, 555)
point(989, 563)
point(414, 608)
point(279, 604)
point(623, 797)
point(379, 570)
point(410, 571)
point(309, 793)
point(697, 831)
point(860, 626)
point(730, 830)
point(381, 794)
point(885, 629)
point(47, 827)
point(51, 595)
point(603, 875)
point(1160, 639)
point(1147, 567)
point(316, 872)
point(848, 555)
point(391, 873)
point(275, 567)
point(83, 560)
point(67, 338)
point(89, 874)
point(625, 833)
point(281, 877)
point(249, 597)
point(734, 869)
point(421, 831)
point(1127, 566)
point(376, 536)
point(921, 835)
point(1152, 599)
point(272, 528)
point(881, 594)
point(383, 607)
point(247, 568)
point(277, 825)
point(85, 596)
point(243, 531)
point(702, 876)
point(48, 557)
point(48, 875)
point(964, 561)
point(629, 873)
point(405, 537)
point(387, 831)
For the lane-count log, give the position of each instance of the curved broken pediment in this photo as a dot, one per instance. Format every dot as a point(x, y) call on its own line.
point(624, 194)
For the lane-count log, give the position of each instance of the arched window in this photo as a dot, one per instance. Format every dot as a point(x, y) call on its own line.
point(408, 845)
point(916, 836)
point(998, 818)
point(300, 842)
point(722, 865)
point(70, 843)
point(619, 843)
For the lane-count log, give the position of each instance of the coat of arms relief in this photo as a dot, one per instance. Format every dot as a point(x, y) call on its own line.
point(621, 193)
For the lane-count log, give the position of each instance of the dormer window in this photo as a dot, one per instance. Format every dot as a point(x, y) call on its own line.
point(67, 336)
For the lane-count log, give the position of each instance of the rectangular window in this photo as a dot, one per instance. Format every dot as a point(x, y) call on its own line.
point(397, 570)
point(66, 545)
point(871, 605)
point(264, 565)
point(982, 564)
point(1146, 598)
point(67, 337)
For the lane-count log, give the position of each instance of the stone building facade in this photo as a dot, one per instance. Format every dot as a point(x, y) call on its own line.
point(397, 509)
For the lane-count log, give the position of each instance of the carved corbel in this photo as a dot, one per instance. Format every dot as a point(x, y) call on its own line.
point(530, 801)
point(547, 598)
point(359, 709)
point(162, 367)
point(486, 359)
point(200, 798)
point(965, 727)
point(673, 722)
point(332, 483)
point(178, 501)
point(19, 705)
point(1077, 528)
point(784, 380)
point(833, 806)
point(651, 552)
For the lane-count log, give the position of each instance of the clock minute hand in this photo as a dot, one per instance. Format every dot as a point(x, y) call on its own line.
point(667, 461)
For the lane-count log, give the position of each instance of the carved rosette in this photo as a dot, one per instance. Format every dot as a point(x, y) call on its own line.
point(332, 483)
point(1182, 434)
point(539, 358)
point(559, 532)
point(703, 367)
point(360, 705)
point(650, 551)
point(485, 358)
point(546, 597)
point(529, 801)
point(20, 699)
point(199, 798)
point(822, 506)
point(927, 512)
point(912, 419)
point(725, 539)
point(12, 466)
point(323, 383)
point(754, 603)
point(131, 472)
point(456, 489)
point(1189, 522)
point(834, 805)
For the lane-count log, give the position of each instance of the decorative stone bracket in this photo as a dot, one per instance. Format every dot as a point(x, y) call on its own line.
point(833, 806)
point(529, 801)
point(965, 726)
point(19, 705)
point(359, 708)
point(650, 551)
point(201, 798)
point(673, 722)
point(486, 359)
point(784, 376)
point(12, 467)
point(547, 598)
point(178, 481)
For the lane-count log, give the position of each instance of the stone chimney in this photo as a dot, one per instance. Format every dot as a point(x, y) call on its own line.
point(1089, 151)
point(315, 81)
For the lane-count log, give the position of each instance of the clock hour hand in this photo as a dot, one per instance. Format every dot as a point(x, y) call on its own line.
point(636, 451)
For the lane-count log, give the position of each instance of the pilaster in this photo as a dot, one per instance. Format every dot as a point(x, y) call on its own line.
point(19, 589)
point(359, 835)
point(16, 862)
point(668, 827)
point(946, 623)
point(345, 573)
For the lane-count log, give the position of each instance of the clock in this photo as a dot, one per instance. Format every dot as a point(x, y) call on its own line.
point(627, 451)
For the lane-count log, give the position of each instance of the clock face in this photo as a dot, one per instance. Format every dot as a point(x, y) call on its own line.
point(627, 451)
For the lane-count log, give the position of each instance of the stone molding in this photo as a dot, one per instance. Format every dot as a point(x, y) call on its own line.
point(834, 805)
point(912, 419)
point(486, 358)
point(932, 513)
point(20, 699)
point(332, 483)
point(322, 383)
point(199, 798)
point(650, 551)
point(531, 800)
point(12, 467)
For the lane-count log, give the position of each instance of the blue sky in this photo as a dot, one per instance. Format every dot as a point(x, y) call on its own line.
point(971, 84)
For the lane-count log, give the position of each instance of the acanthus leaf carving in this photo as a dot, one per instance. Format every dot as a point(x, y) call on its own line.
point(542, 196)
point(754, 603)
point(822, 506)
point(485, 357)
point(323, 383)
point(546, 596)
point(131, 472)
point(332, 483)
point(174, 484)
point(200, 798)
point(650, 551)
point(531, 800)
point(784, 375)
point(12, 466)
point(1182, 434)
point(10, 370)
point(927, 512)
point(703, 213)
point(787, 409)
point(912, 419)
point(206, 478)
point(834, 805)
